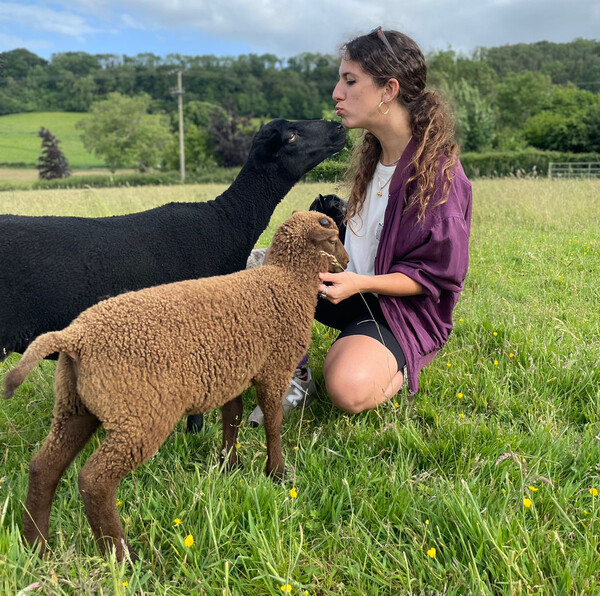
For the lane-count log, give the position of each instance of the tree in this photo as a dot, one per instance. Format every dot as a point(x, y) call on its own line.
point(231, 137)
point(567, 122)
point(52, 163)
point(521, 96)
point(120, 130)
point(198, 144)
point(476, 120)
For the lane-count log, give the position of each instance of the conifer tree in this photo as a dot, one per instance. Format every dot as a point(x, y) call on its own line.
point(52, 163)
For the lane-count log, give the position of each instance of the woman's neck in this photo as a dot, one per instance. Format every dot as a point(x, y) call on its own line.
point(394, 134)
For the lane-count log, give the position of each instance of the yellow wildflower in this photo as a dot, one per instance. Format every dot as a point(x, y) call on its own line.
point(293, 493)
point(426, 522)
point(532, 488)
point(176, 521)
point(396, 404)
point(511, 355)
point(125, 584)
point(119, 502)
point(461, 415)
point(461, 320)
point(448, 364)
point(286, 589)
point(189, 540)
point(459, 395)
point(238, 445)
point(495, 333)
point(495, 363)
point(527, 502)
point(431, 553)
point(594, 492)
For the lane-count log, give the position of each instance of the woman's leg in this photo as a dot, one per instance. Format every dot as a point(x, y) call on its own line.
point(360, 373)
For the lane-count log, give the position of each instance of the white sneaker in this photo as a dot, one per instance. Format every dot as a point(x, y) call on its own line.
point(301, 392)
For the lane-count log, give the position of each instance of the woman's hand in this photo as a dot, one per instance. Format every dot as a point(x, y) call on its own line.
point(343, 286)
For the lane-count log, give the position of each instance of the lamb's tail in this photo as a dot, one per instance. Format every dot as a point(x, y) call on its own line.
point(48, 343)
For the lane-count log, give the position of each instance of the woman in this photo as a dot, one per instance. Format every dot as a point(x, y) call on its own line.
point(408, 226)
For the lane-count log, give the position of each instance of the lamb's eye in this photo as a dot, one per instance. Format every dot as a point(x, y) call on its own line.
point(324, 222)
point(292, 137)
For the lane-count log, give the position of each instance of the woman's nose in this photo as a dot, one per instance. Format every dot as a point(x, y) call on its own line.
point(336, 95)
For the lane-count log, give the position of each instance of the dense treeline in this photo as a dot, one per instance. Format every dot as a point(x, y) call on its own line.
point(542, 95)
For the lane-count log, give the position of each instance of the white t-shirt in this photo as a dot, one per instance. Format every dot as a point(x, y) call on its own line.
point(364, 229)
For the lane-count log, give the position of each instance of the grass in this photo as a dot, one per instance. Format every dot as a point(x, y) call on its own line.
point(510, 410)
point(20, 144)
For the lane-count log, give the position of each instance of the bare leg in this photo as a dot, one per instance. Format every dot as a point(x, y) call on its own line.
point(67, 437)
point(360, 373)
point(232, 417)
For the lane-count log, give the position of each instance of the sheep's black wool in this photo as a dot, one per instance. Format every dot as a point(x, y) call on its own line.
point(53, 268)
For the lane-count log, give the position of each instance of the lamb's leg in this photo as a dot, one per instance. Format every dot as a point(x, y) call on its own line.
point(232, 416)
point(270, 393)
point(67, 437)
point(123, 450)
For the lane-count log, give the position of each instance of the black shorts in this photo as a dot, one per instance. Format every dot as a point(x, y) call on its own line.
point(360, 314)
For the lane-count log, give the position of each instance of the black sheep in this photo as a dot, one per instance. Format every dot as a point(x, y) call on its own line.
point(53, 268)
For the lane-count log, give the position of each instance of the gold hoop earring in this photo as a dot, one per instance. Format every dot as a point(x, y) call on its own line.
point(379, 108)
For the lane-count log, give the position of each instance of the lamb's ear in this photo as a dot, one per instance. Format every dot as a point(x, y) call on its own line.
point(325, 231)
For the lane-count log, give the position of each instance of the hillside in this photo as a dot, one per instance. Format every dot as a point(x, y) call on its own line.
point(20, 144)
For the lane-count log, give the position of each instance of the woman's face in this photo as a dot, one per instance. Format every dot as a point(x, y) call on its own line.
point(356, 96)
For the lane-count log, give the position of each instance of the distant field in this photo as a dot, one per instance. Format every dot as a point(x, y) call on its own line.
point(20, 144)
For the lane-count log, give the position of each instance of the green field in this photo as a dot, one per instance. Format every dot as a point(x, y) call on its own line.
point(20, 144)
point(487, 483)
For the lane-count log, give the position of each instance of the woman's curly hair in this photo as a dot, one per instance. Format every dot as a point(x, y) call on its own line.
point(431, 125)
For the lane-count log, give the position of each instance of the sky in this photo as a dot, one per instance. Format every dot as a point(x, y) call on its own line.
point(284, 27)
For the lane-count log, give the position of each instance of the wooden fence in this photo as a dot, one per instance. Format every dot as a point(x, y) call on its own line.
point(589, 169)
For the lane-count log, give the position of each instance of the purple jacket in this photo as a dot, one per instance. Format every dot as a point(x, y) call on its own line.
point(433, 252)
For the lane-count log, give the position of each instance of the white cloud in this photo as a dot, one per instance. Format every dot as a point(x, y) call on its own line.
point(288, 27)
point(129, 22)
point(45, 19)
point(11, 42)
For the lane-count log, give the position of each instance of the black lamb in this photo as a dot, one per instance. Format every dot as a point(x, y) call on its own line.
point(53, 268)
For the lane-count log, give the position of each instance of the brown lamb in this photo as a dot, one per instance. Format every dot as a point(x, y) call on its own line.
point(176, 349)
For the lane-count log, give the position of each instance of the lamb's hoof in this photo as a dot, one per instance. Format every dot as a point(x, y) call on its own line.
point(282, 476)
point(229, 465)
point(125, 553)
point(195, 423)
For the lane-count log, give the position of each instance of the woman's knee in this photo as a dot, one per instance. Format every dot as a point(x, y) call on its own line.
point(353, 392)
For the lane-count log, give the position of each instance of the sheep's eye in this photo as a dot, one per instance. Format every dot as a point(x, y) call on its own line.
point(292, 137)
point(325, 222)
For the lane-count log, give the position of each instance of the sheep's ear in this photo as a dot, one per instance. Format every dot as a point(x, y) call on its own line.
point(320, 234)
point(274, 143)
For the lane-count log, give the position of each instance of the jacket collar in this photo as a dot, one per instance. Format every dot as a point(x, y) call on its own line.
point(399, 175)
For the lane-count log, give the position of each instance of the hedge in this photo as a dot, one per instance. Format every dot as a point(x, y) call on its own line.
point(526, 163)
point(476, 165)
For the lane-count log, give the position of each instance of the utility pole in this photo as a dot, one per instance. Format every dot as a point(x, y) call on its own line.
point(179, 92)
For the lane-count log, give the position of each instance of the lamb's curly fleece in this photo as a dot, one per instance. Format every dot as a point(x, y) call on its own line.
point(140, 361)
